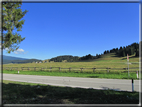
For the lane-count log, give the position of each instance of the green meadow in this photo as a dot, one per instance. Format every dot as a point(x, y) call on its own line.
point(107, 60)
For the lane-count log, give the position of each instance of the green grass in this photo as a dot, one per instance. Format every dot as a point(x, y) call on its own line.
point(30, 93)
point(107, 60)
point(111, 75)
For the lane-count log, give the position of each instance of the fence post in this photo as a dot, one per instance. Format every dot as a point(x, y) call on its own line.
point(70, 69)
point(50, 69)
point(11, 68)
point(107, 69)
point(28, 69)
point(35, 68)
point(94, 69)
point(59, 68)
point(81, 69)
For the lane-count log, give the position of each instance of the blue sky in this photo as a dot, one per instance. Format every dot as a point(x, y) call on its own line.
point(78, 29)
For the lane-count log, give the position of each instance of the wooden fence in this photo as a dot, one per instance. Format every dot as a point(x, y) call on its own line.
point(69, 69)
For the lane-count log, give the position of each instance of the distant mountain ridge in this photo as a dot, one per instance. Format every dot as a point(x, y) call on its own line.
point(10, 59)
point(13, 58)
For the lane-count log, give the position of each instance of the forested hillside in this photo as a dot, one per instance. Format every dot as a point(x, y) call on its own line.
point(132, 49)
point(69, 58)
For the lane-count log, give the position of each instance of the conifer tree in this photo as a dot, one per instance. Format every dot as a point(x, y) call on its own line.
point(132, 50)
point(11, 21)
point(123, 53)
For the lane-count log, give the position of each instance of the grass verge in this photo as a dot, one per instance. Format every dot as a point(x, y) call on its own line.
point(31, 93)
point(110, 75)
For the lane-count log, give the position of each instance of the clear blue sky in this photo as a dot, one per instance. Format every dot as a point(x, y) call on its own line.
point(78, 29)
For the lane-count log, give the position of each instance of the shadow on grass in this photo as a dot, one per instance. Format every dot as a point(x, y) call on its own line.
point(115, 55)
point(93, 76)
point(23, 93)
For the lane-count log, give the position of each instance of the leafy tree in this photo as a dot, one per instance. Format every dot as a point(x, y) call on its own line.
point(12, 21)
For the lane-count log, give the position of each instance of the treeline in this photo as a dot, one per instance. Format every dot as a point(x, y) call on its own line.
point(69, 58)
point(89, 56)
point(132, 49)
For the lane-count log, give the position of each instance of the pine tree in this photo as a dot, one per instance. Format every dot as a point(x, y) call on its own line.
point(105, 52)
point(132, 50)
point(123, 53)
point(11, 18)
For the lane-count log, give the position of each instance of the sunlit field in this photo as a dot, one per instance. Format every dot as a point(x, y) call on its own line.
point(117, 65)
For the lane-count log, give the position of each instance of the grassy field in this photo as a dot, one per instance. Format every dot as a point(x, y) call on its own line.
point(30, 93)
point(107, 60)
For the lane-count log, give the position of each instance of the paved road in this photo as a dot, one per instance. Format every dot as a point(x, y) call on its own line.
point(95, 83)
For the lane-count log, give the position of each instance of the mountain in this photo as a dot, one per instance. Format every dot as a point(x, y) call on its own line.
point(10, 59)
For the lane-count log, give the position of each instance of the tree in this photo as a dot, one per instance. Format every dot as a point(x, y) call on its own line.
point(132, 50)
point(120, 47)
point(11, 21)
point(105, 52)
point(123, 53)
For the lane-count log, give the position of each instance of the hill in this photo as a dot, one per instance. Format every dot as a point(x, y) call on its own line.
point(68, 58)
point(132, 49)
point(107, 60)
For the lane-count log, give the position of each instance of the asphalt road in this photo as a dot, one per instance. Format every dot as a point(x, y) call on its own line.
point(95, 83)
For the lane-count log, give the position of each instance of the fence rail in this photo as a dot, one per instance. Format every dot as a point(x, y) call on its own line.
point(69, 69)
